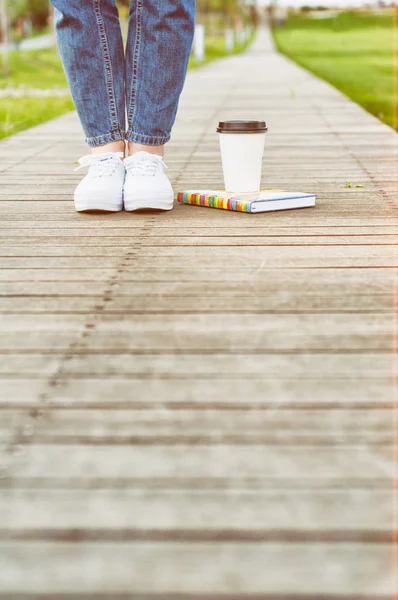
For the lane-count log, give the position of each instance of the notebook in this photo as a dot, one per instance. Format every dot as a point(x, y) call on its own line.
point(251, 202)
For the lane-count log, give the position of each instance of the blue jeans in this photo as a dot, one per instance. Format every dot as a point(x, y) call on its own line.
point(111, 89)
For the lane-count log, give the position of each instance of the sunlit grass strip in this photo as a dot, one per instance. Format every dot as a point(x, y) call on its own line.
point(353, 52)
point(22, 113)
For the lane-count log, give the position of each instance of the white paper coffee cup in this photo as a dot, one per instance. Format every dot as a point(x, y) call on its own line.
point(242, 149)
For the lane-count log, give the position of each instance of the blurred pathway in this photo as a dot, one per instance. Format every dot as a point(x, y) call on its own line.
point(200, 405)
point(18, 92)
point(35, 43)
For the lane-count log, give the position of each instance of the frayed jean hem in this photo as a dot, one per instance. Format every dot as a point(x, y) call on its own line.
point(108, 138)
point(148, 140)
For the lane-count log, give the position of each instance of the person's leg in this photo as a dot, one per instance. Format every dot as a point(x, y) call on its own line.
point(158, 48)
point(159, 43)
point(91, 48)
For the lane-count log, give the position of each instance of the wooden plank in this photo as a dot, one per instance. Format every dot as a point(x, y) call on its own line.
point(212, 241)
point(203, 568)
point(271, 393)
point(56, 274)
point(274, 424)
point(197, 366)
point(90, 301)
point(369, 465)
point(36, 365)
point(25, 304)
point(58, 262)
point(321, 512)
point(56, 288)
point(184, 332)
point(187, 216)
point(182, 279)
point(117, 228)
point(250, 303)
point(269, 257)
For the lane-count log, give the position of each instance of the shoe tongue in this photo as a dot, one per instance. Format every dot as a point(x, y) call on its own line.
point(143, 154)
point(107, 155)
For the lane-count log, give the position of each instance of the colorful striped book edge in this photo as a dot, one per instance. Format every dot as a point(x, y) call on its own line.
point(213, 201)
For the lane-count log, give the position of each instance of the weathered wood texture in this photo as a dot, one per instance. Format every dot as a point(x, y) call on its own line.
point(201, 405)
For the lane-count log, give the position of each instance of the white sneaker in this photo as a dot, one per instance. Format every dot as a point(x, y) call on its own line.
point(146, 184)
point(102, 187)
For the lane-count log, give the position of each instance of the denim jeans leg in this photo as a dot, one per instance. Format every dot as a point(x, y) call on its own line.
point(159, 43)
point(91, 48)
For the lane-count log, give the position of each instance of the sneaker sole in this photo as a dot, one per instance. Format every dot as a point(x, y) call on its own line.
point(131, 206)
point(85, 205)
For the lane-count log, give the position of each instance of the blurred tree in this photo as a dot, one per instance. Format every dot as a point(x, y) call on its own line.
point(4, 35)
point(210, 12)
point(36, 10)
point(220, 13)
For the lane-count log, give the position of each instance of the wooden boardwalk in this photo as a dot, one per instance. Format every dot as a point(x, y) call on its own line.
point(201, 405)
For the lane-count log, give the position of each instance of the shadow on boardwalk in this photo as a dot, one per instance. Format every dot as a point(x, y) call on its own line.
point(200, 404)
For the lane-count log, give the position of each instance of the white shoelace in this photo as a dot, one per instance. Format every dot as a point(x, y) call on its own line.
point(100, 164)
point(144, 163)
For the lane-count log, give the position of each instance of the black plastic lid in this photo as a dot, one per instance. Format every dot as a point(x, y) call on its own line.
point(242, 127)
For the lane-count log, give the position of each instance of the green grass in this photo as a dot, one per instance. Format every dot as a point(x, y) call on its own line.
point(352, 51)
point(42, 69)
point(17, 114)
point(35, 69)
